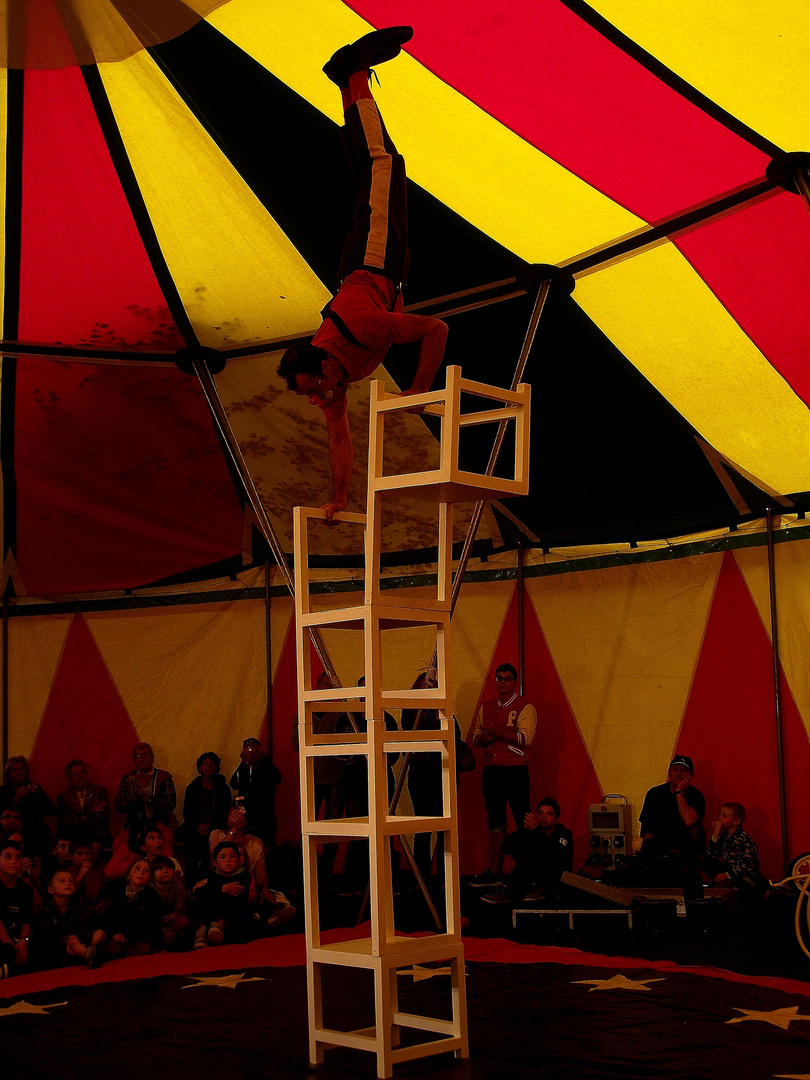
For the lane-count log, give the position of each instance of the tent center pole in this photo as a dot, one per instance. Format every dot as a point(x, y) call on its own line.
point(777, 690)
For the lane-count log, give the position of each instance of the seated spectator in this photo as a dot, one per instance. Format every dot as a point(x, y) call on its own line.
point(133, 919)
point(672, 831)
point(31, 870)
point(84, 806)
point(205, 807)
point(255, 781)
point(59, 857)
point(732, 857)
point(88, 879)
point(274, 908)
point(146, 795)
point(152, 843)
point(172, 896)
point(16, 908)
point(63, 929)
point(543, 850)
point(223, 900)
point(20, 792)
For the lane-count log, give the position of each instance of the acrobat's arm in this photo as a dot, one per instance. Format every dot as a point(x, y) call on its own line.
point(432, 335)
point(341, 459)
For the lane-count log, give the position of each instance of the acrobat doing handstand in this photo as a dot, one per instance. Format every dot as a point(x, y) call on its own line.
point(365, 317)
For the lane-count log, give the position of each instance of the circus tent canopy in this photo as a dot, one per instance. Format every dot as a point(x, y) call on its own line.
point(172, 178)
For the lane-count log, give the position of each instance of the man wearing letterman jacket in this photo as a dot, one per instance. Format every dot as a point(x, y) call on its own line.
point(505, 729)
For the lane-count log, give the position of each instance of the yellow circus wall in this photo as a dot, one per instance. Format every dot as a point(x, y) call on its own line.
point(626, 663)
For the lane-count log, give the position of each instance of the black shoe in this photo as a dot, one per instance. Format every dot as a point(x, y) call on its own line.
point(365, 53)
point(499, 895)
point(487, 880)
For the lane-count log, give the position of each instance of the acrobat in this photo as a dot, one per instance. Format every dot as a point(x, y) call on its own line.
point(365, 317)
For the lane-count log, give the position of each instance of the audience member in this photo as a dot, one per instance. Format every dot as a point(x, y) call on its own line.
point(505, 728)
point(255, 781)
point(542, 851)
point(84, 808)
point(16, 906)
point(20, 792)
point(173, 901)
point(146, 795)
point(31, 869)
point(88, 879)
point(63, 929)
point(152, 843)
point(672, 832)
point(223, 900)
point(59, 857)
point(274, 908)
point(133, 919)
point(205, 807)
point(732, 857)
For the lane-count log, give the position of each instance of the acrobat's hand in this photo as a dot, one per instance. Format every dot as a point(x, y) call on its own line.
point(411, 392)
point(336, 506)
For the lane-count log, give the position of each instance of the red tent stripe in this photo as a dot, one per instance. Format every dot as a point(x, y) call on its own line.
point(84, 276)
point(757, 262)
point(613, 123)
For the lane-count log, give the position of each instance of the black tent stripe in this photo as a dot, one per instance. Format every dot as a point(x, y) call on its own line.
point(132, 193)
point(673, 81)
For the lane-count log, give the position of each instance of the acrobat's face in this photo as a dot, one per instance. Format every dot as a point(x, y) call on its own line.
point(320, 389)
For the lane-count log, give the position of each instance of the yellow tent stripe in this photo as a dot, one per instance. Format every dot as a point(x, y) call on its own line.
point(239, 277)
point(625, 643)
point(748, 56)
point(35, 649)
point(465, 158)
point(663, 317)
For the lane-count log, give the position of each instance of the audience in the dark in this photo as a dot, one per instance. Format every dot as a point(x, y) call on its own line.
point(255, 781)
point(21, 793)
point(146, 796)
point(205, 808)
point(133, 918)
point(83, 805)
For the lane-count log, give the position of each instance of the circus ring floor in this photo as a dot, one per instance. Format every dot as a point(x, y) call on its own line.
point(598, 1001)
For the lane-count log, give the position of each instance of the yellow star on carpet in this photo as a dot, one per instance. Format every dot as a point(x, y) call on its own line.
point(618, 982)
point(421, 973)
point(27, 1007)
point(782, 1018)
point(230, 982)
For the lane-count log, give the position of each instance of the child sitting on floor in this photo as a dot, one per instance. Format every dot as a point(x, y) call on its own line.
point(64, 931)
point(133, 918)
point(223, 900)
point(172, 897)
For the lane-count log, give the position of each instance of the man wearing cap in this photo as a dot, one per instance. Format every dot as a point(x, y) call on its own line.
point(672, 815)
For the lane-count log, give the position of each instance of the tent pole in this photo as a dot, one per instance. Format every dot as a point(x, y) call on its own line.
point(803, 184)
point(475, 520)
point(777, 690)
point(269, 533)
point(478, 511)
point(521, 624)
point(264, 523)
point(5, 679)
point(268, 662)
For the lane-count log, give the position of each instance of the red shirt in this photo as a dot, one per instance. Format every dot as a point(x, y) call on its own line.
point(364, 302)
